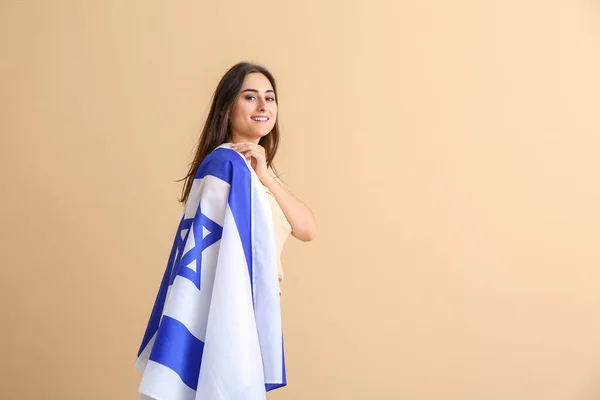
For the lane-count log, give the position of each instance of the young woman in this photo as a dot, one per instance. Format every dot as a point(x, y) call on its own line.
point(215, 329)
point(244, 113)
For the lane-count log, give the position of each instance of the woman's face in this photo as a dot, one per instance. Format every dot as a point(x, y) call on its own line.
point(254, 113)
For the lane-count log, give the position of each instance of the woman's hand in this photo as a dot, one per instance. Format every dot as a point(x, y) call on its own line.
point(258, 157)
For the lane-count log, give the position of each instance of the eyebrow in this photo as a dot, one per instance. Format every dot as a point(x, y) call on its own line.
point(256, 91)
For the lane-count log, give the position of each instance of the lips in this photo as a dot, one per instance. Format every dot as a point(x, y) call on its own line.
point(260, 118)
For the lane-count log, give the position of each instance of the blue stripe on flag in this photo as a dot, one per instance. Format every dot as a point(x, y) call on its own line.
point(159, 304)
point(228, 166)
point(179, 350)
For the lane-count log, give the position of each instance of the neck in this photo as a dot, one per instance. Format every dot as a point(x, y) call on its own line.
point(238, 138)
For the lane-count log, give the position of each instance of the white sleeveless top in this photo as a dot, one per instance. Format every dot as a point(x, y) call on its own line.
point(281, 227)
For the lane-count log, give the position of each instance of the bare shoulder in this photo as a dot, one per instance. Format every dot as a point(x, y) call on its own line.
point(277, 178)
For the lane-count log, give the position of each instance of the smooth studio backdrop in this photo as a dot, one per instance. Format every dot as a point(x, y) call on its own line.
point(448, 149)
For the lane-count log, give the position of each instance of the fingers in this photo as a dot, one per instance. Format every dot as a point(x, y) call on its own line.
point(246, 151)
point(249, 149)
point(252, 153)
point(256, 154)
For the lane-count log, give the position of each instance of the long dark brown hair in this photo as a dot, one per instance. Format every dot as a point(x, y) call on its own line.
point(217, 130)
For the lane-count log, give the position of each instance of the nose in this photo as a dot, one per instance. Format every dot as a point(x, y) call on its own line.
point(262, 105)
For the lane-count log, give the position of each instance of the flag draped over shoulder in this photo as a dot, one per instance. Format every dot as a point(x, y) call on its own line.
point(215, 330)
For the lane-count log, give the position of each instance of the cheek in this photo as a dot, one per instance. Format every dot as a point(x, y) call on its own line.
point(237, 116)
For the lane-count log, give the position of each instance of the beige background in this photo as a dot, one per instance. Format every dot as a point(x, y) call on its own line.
point(448, 149)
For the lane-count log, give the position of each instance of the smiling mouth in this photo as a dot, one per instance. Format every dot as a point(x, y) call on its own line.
point(260, 119)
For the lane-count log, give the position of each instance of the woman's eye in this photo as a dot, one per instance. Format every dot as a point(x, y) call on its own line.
point(254, 98)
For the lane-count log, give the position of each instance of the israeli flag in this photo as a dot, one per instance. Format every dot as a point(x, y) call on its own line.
point(215, 330)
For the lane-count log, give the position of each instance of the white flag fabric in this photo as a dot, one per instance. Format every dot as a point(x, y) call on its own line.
point(215, 330)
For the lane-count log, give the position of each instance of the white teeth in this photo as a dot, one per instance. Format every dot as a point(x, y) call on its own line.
point(259, 118)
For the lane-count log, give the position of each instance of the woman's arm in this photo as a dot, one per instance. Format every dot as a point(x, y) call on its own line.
point(300, 217)
point(296, 212)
